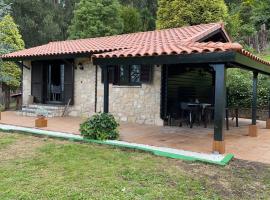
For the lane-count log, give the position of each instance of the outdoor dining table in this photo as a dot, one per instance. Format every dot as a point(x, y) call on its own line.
point(200, 105)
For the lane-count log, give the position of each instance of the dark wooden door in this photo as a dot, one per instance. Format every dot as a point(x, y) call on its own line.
point(68, 83)
point(37, 82)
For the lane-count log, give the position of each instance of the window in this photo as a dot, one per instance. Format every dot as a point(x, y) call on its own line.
point(129, 74)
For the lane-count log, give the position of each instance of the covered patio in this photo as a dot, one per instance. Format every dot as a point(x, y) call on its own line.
point(197, 139)
point(217, 57)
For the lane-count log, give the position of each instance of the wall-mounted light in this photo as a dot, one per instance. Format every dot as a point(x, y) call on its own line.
point(81, 67)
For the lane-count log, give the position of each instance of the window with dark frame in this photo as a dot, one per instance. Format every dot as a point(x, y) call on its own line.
point(129, 75)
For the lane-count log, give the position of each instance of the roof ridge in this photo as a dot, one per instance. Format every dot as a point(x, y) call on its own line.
point(140, 32)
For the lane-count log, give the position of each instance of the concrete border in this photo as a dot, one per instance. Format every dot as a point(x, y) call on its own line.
point(160, 151)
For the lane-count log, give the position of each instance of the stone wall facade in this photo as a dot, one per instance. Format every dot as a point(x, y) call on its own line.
point(26, 82)
point(136, 104)
point(84, 89)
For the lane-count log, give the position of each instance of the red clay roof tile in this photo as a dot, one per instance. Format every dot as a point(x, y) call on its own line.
point(118, 42)
point(171, 49)
point(174, 41)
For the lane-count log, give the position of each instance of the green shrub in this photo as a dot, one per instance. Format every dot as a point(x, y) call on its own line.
point(101, 126)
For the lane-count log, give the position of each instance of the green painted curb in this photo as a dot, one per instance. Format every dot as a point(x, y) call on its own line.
point(223, 162)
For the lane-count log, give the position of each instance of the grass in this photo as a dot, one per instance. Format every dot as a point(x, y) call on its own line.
point(41, 168)
point(6, 140)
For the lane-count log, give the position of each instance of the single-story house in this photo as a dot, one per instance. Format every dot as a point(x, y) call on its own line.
point(139, 77)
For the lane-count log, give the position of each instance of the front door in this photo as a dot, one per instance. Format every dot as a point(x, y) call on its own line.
point(52, 82)
point(55, 82)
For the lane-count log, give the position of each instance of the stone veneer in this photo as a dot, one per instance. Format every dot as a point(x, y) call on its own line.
point(137, 104)
point(26, 82)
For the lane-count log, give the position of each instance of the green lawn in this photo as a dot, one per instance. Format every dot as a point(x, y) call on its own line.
point(42, 168)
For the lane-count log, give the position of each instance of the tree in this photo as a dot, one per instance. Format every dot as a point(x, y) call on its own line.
point(94, 18)
point(177, 13)
point(132, 19)
point(4, 8)
point(42, 21)
point(261, 13)
point(147, 10)
point(10, 40)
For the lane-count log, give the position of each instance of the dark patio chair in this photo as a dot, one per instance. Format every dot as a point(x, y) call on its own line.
point(190, 114)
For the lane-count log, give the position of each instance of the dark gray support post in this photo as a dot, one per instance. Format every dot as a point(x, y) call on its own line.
point(220, 103)
point(254, 98)
point(220, 98)
point(106, 89)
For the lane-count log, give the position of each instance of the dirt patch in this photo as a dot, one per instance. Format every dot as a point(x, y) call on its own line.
point(241, 179)
point(25, 147)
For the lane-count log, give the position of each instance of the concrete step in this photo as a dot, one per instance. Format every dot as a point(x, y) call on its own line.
point(31, 110)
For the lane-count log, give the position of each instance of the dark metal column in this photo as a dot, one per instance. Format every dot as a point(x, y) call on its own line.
point(254, 98)
point(106, 88)
point(220, 101)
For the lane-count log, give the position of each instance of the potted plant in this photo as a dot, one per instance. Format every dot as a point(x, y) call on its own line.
point(41, 120)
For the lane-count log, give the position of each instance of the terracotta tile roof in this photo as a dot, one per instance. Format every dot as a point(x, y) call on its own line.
point(171, 49)
point(253, 57)
point(118, 42)
point(178, 49)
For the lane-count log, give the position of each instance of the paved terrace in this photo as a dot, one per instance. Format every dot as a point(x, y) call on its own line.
point(198, 139)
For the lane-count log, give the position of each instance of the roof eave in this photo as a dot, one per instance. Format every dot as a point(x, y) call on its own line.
point(232, 57)
point(215, 57)
point(48, 57)
point(251, 64)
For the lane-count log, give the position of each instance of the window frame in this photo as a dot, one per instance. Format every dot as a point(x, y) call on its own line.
point(127, 81)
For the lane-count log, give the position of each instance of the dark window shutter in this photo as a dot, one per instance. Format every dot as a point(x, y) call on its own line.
point(68, 83)
point(111, 74)
point(146, 73)
point(37, 81)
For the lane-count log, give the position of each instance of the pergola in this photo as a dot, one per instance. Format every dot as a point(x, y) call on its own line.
point(218, 59)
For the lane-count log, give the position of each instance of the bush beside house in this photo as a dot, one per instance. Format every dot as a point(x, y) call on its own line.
point(101, 126)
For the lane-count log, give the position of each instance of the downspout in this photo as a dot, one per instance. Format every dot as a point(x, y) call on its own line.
point(96, 73)
point(22, 82)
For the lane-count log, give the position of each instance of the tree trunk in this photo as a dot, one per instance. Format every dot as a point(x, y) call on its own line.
point(6, 90)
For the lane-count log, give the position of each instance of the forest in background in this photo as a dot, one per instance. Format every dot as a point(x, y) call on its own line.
point(31, 23)
point(50, 20)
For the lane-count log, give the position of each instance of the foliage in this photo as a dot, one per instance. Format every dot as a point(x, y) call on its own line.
point(42, 21)
point(4, 9)
point(2, 107)
point(177, 13)
point(147, 10)
point(132, 19)
point(261, 13)
point(101, 126)
point(94, 18)
point(10, 40)
point(240, 92)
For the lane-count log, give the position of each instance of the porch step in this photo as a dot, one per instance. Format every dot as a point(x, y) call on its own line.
point(53, 110)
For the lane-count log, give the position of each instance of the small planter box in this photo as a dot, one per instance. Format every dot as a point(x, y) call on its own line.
point(41, 122)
